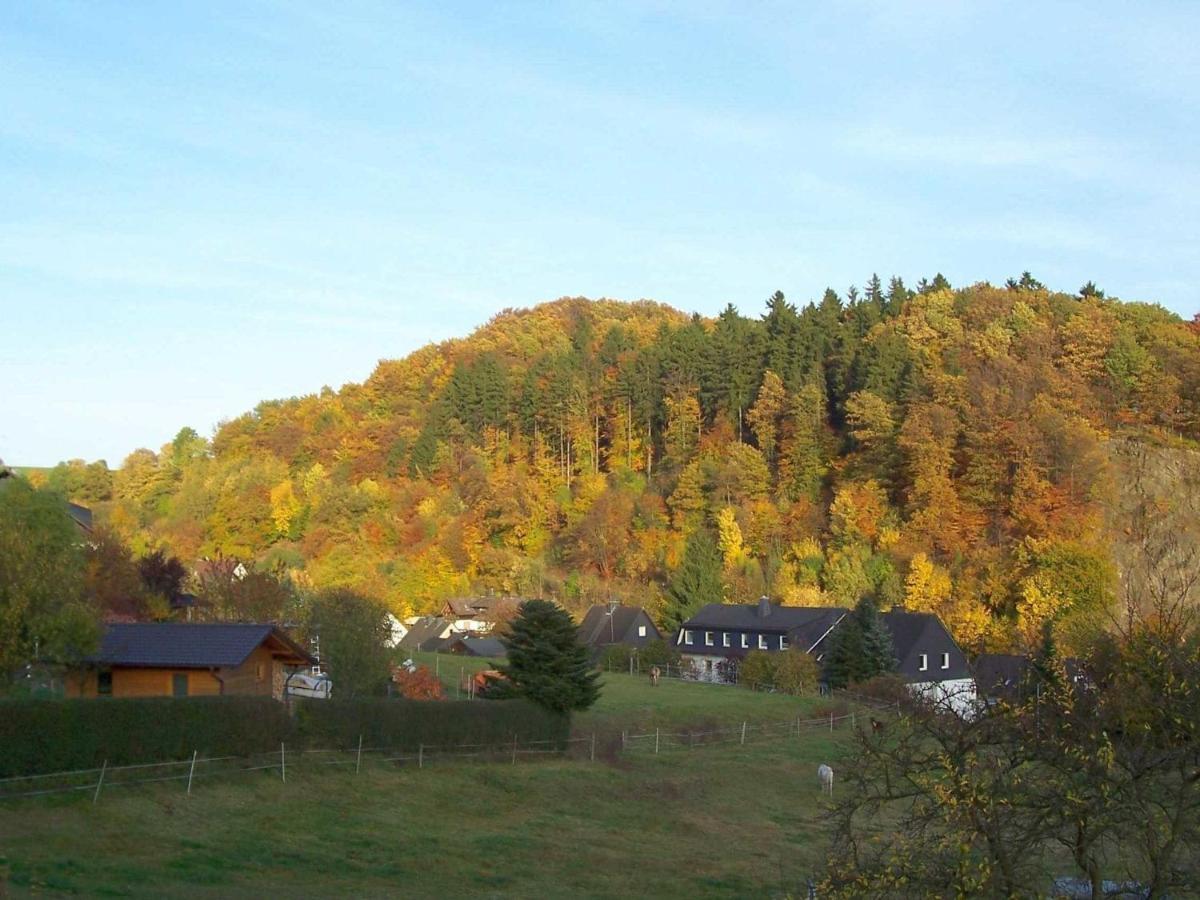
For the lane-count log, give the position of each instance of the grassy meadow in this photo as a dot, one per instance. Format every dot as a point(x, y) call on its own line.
point(717, 820)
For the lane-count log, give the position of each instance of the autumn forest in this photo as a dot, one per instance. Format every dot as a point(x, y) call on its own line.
point(955, 450)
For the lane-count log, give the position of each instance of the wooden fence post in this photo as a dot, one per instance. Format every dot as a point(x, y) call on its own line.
point(656, 741)
point(191, 772)
point(593, 746)
point(743, 732)
point(282, 762)
point(100, 782)
point(420, 756)
point(831, 720)
point(514, 748)
point(358, 761)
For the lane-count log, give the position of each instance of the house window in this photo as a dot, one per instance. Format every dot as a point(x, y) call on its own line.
point(260, 672)
point(724, 638)
point(945, 660)
point(782, 642)
point(641, 631)
point(179, 684)
point(104, 684)
point(687, 637)
point(924, 666)
point(708, 640)
point(762, 642)
point(745, 641)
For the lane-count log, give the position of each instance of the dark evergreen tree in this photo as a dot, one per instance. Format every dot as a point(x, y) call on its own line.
point(860, 647)
point(546, 662)
point(696, 582)
point(162, 574)
point(1090, 290)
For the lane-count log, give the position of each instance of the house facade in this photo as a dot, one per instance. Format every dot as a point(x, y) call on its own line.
point(721, 632)
point(929, 660)
point(479, 615)
point(175, 659)
point(610, 623)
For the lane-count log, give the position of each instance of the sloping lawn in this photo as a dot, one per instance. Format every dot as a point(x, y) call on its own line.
point(722, 821)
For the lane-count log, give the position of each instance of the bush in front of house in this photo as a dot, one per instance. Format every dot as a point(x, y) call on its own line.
point(796, 673)
point(616, 657)
point(757, 670)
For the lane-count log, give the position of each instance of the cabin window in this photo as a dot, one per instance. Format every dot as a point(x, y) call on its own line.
point(762, 642)
point(687, 637)
point(745, 641)
point(924, 666)
point(641, 631)
point(782, 642)
point(724, 638)
point(945, 660)
point(260, 672)
point(104, 683)
point(708, 639)
point(179, 684)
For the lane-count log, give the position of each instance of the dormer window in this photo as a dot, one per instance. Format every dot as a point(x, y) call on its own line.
point(762, 642)
point(724, 638)
point(708, 639)
point(687, 637)
point(945, 660)
point(924, 666)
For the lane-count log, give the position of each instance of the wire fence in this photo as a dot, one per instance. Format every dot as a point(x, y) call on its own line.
point(661, 740)
point(188, 772)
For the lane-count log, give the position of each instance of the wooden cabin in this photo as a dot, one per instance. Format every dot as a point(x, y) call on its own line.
point(177, 659)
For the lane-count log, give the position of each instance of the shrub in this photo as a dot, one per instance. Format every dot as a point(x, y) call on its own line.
point(658, 653)
point(758, 669)
point(419, 684)
point(616, 657)
point(797, 673)
point(727, 670)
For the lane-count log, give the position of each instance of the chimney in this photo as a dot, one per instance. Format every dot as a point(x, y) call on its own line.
point(764, 607)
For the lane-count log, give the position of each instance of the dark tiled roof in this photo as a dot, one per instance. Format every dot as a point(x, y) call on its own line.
point(914, 633)
point(599, 628)
point(186, 646)
point(473, 646)
point(424, 634)
point(1000, 673)
point(81, 514)
point(804, 626)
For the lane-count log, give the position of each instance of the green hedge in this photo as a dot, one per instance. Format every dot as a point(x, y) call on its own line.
point(62, 735)
point(403, 724)
point(39, 736)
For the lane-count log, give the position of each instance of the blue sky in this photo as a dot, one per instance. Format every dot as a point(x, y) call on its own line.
point(207, 205)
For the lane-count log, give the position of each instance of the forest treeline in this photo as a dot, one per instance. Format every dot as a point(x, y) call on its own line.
point(942, 448)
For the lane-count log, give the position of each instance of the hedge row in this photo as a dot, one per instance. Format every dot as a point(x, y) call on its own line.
point(39, 736)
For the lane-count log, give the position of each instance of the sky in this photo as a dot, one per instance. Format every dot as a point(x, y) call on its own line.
point(207, 205)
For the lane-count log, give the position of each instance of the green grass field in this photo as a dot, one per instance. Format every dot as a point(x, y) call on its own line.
point(719, 820)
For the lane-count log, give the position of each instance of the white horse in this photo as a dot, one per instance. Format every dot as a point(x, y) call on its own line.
point(825, 776)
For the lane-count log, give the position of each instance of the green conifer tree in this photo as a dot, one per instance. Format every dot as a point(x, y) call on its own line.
point(546, 662)
point(696, 582)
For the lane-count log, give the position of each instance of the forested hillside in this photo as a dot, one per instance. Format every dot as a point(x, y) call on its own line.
point(949, 449)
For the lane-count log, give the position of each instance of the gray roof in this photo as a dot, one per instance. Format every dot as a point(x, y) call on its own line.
point(599, 628)
point(425, 634)
point(804, 624)
point(186, 645)
point(479, 646)
point(81, 514)
point(914, 633)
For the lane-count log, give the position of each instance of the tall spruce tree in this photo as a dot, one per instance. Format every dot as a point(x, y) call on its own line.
point(546, 662)
point(696, 582)
point(860, 647)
